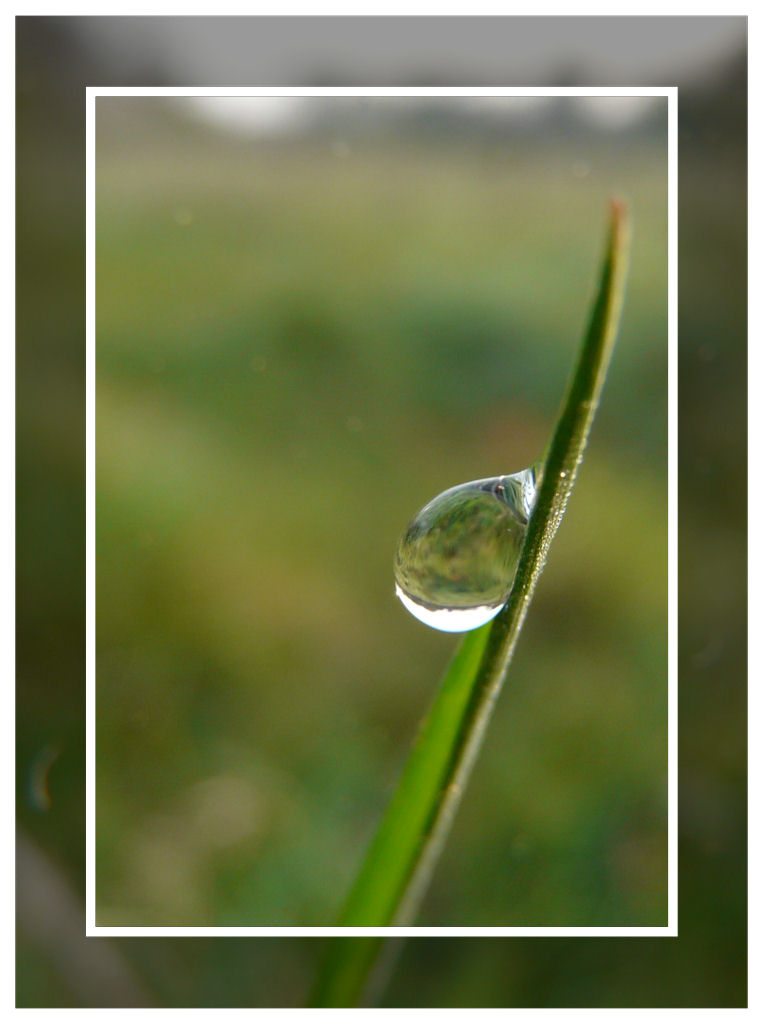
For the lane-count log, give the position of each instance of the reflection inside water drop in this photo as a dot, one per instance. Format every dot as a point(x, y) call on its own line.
point(456, 562)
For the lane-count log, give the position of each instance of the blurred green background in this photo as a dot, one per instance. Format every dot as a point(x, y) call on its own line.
point(301, 338)
point(187, 637)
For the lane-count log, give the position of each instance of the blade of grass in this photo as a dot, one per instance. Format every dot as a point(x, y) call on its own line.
point(401, 859)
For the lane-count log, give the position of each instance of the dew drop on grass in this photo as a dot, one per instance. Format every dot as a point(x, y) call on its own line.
point(455, 564)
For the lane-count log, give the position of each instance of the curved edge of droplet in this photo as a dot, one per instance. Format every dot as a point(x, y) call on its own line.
point(449, 620)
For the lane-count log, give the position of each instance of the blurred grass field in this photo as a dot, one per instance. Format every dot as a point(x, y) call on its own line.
point(299, 343)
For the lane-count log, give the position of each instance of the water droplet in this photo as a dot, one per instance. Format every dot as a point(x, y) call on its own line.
point(456, 562)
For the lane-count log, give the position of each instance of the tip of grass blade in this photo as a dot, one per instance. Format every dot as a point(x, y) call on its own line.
point(618, 215)
point(617, 207)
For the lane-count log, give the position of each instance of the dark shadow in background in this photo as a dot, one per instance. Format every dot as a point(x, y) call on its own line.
point(706, 58)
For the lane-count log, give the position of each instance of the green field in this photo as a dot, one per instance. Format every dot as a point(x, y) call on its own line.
point(298, 345)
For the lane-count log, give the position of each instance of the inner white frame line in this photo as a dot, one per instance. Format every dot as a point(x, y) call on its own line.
point(669, 930)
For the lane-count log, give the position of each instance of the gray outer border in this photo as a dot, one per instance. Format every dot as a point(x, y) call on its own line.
point(475, 51)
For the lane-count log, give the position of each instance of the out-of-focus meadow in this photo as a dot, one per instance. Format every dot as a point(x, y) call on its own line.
point(559, 731)
point(301, 338)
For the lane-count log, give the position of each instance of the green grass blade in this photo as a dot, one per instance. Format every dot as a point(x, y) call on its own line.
point(401, 859)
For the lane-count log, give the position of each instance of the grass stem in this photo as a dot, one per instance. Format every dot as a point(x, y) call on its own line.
point(400, 862)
